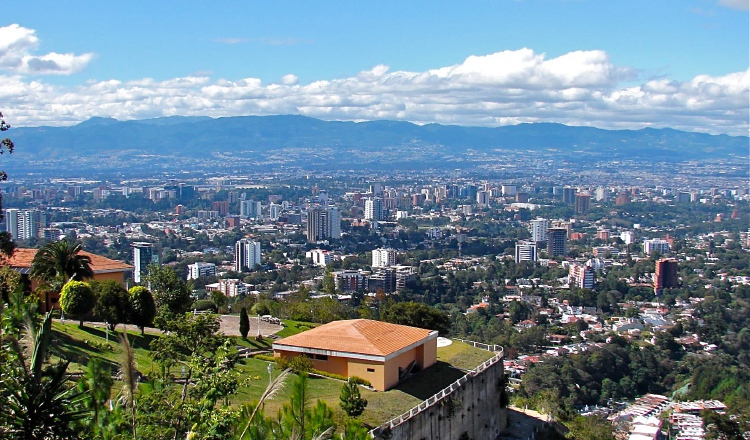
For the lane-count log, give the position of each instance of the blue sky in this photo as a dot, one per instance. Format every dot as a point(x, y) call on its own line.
point(612, 64)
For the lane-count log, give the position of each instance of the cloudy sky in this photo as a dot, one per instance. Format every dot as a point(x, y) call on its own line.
point(609, 64)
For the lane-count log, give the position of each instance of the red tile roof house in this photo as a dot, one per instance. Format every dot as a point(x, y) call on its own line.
point(377, 351)
point(104, 269)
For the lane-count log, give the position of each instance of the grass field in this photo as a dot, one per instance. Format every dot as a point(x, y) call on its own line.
point(79, 345)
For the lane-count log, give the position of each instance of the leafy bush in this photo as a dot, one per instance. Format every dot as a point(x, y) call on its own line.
point(298, 364)
point(204, 304)
point(265, 357)
point(359, 381)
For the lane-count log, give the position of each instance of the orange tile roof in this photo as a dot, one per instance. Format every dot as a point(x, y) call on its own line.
point(23, 257)
point(361, 336)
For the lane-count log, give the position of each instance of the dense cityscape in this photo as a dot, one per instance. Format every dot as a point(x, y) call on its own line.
point(557, 273)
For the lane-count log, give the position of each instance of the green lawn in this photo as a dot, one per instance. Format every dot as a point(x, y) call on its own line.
point(79, 345)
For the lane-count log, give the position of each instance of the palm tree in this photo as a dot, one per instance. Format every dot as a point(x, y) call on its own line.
point(59, 262)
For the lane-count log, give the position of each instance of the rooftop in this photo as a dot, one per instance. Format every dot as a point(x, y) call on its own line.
point(22, 258)
point(358, 336)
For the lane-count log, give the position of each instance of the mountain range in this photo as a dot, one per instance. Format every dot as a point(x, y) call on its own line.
point(303, 141)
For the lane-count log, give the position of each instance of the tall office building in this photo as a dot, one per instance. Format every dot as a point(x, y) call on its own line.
point(601, 194)
point(246, 254)
point(144, 254)
point(323, 223)
point(583, 203)
point(250, 209)
point(665, 275)
point(509, 190)
point(11, 222)
point(539, 228)
point(24, 224)
point(383, 257)
point(374, 209)
point(557, 241)
point(526, 251)
point(569, 195)
point(483, 198)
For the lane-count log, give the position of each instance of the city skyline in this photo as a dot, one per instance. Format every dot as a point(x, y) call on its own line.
point(673, 64)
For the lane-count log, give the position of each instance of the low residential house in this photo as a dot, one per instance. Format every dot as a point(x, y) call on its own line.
point(380, 352)
point(104, 269)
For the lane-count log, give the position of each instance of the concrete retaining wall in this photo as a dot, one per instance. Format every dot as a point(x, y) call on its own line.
point(468, 409)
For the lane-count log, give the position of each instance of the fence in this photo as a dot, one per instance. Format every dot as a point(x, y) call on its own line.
point(445, 392)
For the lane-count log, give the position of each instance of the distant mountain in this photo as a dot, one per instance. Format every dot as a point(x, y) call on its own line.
point(300, 139)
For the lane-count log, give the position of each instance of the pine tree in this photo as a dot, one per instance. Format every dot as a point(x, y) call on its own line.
point(351, 400)
point(244, 323)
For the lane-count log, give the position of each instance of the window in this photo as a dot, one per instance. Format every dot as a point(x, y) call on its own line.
point(321, 357)
point(370, 370)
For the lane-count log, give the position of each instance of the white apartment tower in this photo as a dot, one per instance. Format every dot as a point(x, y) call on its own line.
point(250, 209)
point(538, 229)
point(246, 254)
point(655, 245)
point(526, 251)
point(200, 269)
point(374, 209)
point(383, 257)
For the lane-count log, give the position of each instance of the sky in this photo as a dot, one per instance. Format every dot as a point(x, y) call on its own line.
point(613, 64)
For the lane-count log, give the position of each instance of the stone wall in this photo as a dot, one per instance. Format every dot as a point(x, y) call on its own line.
point(468, 409)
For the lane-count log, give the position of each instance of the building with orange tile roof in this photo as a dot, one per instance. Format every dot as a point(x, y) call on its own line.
point(380, 352)
point(104, 269)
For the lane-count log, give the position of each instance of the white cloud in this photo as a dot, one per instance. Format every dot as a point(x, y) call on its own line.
point(289, 80)
point(510, 87)
point(16, 46)
point(741, 5)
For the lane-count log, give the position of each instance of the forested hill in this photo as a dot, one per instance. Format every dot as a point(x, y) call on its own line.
point(298, 136)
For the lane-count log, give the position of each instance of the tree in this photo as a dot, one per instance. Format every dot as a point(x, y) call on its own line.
point(244, 323)
point(590, 428)
point(59, 262)
point(6, 240)
point(417, 315)
point(171, 293)
point(351, 400)
point(112, 302)
point(77, 299)
point(298, 421)
point(142, 307)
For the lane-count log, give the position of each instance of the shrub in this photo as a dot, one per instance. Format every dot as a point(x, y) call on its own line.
point(204, 304)
point(298, 364)
point(265, 357)
point(77, 299)
point(359, 381)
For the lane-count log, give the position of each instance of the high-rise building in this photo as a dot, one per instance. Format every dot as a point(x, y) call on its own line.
point(246, 254)
point(627, 237)
point(655, 245)
point(539, 228)
point(557, 242)
point(144, 254)
point(601, 194)
point(323, 223)
point(583, 203)
point(374, 209)
point(665, 275)
point(383, 257)
point(483, 198)
point(509, 190)
point(569, 195)
point(274, 211)
point(24, 224)
point(250, 209)
point(526, 251)
point(581, 276)
point(11, 222)
point(200, 269)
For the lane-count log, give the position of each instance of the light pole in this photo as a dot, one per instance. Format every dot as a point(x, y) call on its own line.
point(270, 372)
